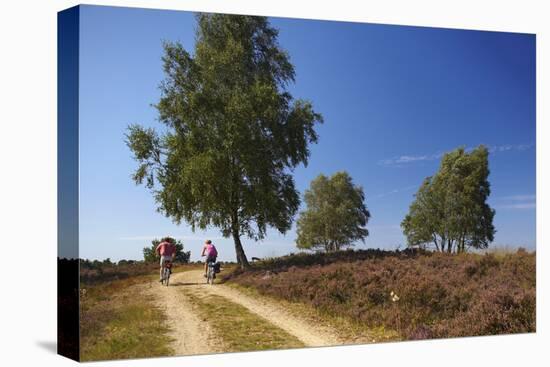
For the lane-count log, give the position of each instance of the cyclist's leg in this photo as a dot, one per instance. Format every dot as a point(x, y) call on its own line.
point(206, 265)
point(161, 267)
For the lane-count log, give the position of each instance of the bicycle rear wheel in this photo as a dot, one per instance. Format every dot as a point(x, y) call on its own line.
point(209, 276)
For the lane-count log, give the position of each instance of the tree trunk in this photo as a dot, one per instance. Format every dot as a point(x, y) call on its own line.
point(241, 256)
point(436, 245)
point(441, 246)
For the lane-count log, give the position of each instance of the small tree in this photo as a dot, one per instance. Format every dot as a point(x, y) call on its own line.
point(150, 255)
point(336, 215)
point(450, 209)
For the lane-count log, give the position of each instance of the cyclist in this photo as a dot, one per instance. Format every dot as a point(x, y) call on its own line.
point(167, 251)
point(209, 250)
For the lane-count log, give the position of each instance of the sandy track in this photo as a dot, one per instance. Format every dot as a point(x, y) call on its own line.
point(310, 335)
point(191, 334)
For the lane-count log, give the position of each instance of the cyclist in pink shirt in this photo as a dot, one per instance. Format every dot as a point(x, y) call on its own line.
point(209, 250)
point(167, 251)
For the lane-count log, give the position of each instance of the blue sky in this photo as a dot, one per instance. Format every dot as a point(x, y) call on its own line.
point(394, 98)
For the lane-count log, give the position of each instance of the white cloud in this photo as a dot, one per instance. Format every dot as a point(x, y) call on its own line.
point(519, 206)
point(406, 159)
point(394, 191)
point(509, 147)
point(519, 202)
point(519, 197)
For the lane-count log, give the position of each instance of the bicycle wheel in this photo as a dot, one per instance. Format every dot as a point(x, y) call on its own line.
point(167, 276)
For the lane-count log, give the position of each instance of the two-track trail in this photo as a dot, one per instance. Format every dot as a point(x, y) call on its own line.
point(190, 334)
point(193, 335)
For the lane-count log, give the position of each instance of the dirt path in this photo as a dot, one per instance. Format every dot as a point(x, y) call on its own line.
point(193, 335)
point(310, 335)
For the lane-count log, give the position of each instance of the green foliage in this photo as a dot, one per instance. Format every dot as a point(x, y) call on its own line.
point(450, 210)
point(336, 214)
point(150, 255)
point(232, 134)
point(124, 262)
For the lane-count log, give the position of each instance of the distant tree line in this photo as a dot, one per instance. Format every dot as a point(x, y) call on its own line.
point(149, 256)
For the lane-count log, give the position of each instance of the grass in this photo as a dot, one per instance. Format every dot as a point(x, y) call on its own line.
point(130, 329)
point(348, 331)
point(105, 273)
point(117, 322)
point(240, 329)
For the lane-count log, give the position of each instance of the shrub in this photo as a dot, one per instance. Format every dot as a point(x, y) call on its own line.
point(439, 295)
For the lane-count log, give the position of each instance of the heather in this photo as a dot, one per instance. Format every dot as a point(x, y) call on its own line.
point(94, 272)
point(101, 272)
point(418, 294)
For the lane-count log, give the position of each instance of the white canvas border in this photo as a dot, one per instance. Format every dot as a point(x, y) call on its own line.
point(28, 185)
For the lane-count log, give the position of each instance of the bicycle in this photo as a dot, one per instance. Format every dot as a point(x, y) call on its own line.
point(166, 273)
point(211, 273)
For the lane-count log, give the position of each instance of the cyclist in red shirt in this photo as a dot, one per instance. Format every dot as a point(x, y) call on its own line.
point(167, 251)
